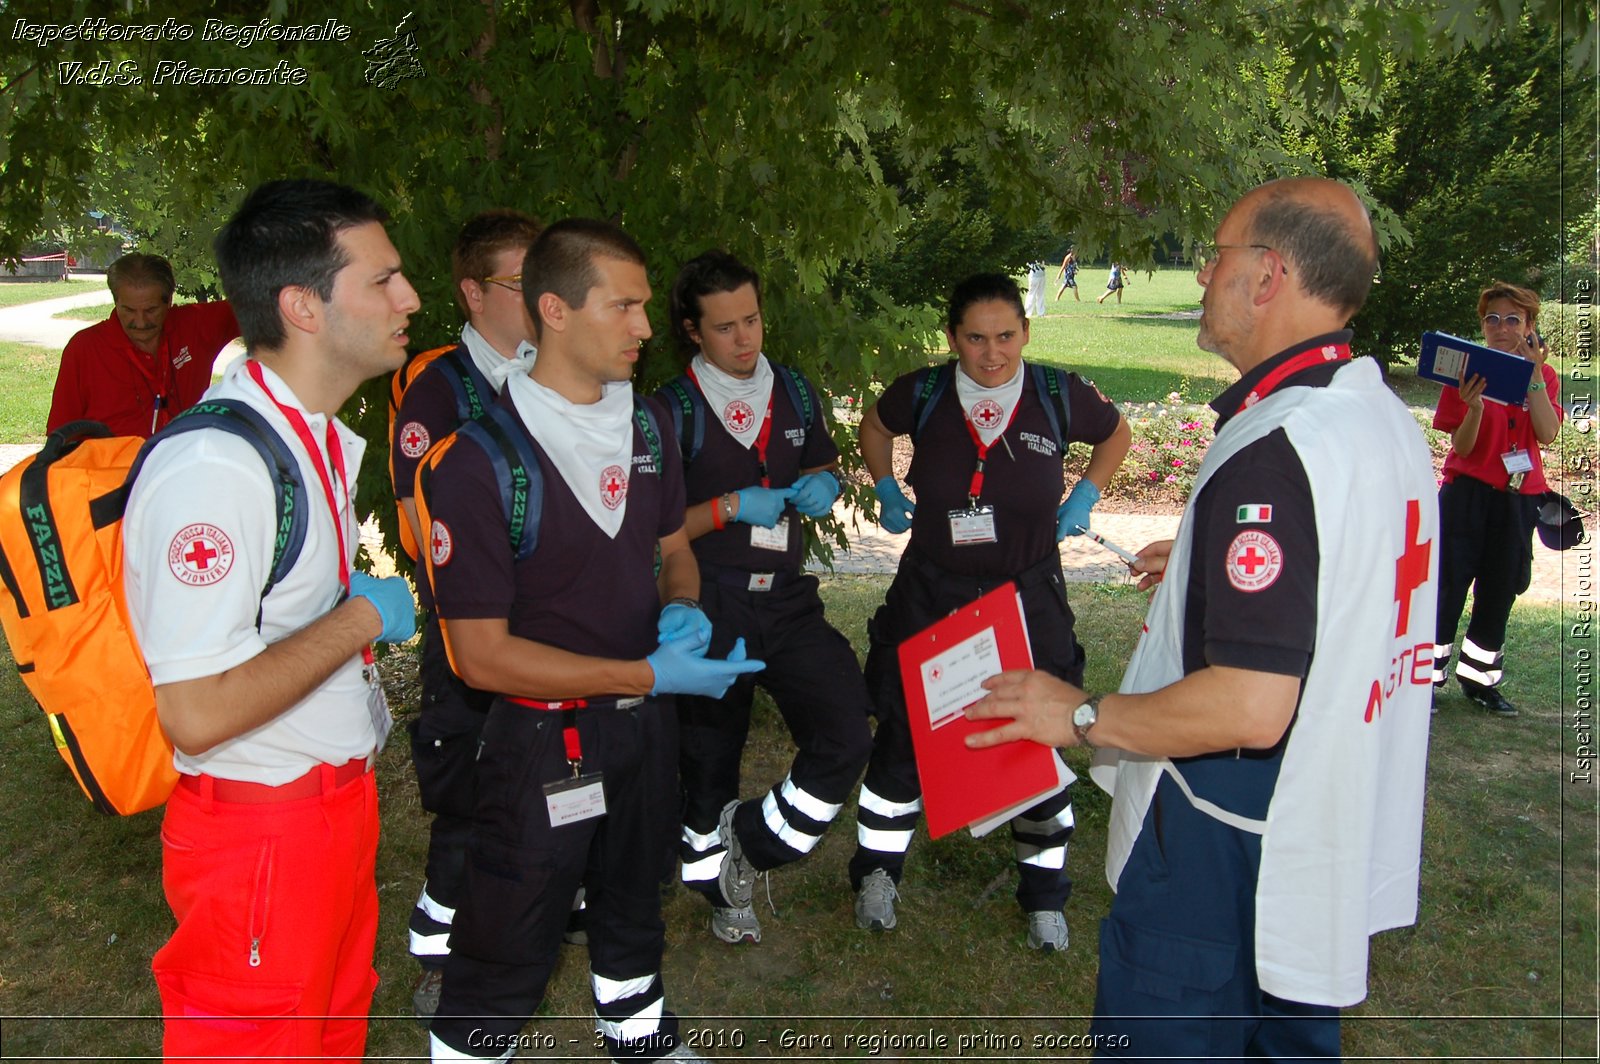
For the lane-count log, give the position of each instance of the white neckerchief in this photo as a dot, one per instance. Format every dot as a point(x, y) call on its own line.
point(591, 444)
point(494, 366)
point(740, 404)
point(989, 409)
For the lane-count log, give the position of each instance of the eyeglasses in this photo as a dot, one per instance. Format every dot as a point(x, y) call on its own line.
point(1511, 321)
point(1207, 254)
point(511, 282)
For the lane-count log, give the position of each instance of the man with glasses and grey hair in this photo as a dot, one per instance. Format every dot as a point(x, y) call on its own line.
point(1266, 750)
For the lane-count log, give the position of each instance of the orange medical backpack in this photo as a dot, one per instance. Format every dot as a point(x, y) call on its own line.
point(62, 604)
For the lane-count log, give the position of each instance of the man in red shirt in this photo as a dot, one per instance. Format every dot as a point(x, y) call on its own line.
point(148, 362)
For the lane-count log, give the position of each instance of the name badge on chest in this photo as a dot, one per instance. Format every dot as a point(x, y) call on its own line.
point(774, 538)
point(575, 798)
point(1517, 461)
point(972, 525)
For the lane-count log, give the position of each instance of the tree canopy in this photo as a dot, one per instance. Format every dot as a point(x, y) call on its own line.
point(814, 138)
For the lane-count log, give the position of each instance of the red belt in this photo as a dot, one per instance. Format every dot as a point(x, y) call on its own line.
point(320, 780)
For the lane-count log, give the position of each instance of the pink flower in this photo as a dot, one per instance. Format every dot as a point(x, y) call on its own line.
point(1171, 477)
point(1189, 426)
point(1156, 476)
point(1185, 443)
point(1177, 463)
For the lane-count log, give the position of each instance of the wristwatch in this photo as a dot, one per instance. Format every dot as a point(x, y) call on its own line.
point(1084, 718)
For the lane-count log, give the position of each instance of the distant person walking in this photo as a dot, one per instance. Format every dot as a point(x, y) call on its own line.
point(1113, 284)
point(1036, 304)
point(1069, 276)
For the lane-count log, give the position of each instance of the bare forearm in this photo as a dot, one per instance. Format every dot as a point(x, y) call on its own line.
point(198, 714)
point(1465, 436)
point(489, 658)
point(877, 446)
point(1107, 456)
point(1542, 412)
point(680, 574)
point(1216, 708)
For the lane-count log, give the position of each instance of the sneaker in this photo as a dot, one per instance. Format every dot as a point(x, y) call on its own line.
point(875, 902)
point(737, 878)
point(425, 995)
point(735, 925)
point(1047, 930)
point(682, 1052)
point(1488, 698)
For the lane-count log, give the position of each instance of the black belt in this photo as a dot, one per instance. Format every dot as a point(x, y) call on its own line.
point(747, 580)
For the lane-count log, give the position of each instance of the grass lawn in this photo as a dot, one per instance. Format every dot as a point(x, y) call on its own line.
point(98, 312)
point(1505, 945)
point(14, 293)
point(29, 372)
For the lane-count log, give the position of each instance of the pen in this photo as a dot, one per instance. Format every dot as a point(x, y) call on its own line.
point(1108, 545)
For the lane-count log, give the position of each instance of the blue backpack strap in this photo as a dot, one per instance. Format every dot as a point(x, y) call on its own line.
point(799, 397)
point(686, 408)
point(929, 386)
point(1051, 385)
point(517, 471)
point(472, 390)
point(240, 420)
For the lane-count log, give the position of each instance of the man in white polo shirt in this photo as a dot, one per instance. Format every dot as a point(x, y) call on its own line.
point(272, 702)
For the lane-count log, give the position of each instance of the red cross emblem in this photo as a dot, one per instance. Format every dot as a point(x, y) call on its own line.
point(986, 413)
point(200, 555)
point(414, 439)
point(1254, 561)
point(738, 416)
point(613, 486)
point(440, 544)
point(1411, 568)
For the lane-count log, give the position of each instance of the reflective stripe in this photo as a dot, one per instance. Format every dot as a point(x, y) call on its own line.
point(883, 841)
point(1489, 678)
point(872, 803)
point(433, 910)
point(702, 871)
point(639, 1026)
point(785, 832)
point(608, 990)
point(440, 1051)
point(1052, 857)
point(1479, 664)
point(809, 804)
point(436, 945)
point(1056, 823)
point(701, 843)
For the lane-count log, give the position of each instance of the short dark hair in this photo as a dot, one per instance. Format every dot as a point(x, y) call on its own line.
point(983, 288)
point(137, 268)
point(704, 275)
point(483, 237)
point(286, 234)
point(1335, 263)
point(1524, 299)
point(561, 261)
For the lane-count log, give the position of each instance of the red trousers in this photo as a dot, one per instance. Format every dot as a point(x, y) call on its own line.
point(277, 911)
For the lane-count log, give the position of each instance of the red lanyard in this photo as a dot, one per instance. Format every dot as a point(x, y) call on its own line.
point(1304, 360)
point(762, 437)
point(297, 422)
point(569, 725)
point(975, 488)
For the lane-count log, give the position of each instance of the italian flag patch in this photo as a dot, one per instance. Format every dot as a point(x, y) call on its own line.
point(1254, 514)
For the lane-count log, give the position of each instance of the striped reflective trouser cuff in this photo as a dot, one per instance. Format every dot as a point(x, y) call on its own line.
point(440, 1052)
point(628, 1014)
point(795, 818)
point(1441, 662)
point(1479, 665)
point(701, 857)
point(430, 929)
point(883, 825)
point(1043, 843)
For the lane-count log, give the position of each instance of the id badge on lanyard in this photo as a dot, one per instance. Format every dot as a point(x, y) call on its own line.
point(582, 795)
point(774, 538)
point(975, 524)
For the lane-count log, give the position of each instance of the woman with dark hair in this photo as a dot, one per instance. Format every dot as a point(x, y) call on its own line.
point(757, 457)
point(990, 437)
point(1493, 478)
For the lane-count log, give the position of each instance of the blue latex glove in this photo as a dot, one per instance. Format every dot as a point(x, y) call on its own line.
point(762, 506)
point(391, 597)
point(815, 493)
point(1072, 518)
point(894, 509)
point(681, 621)
point(679, 671)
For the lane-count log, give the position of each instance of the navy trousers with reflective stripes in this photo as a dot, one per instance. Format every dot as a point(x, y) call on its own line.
point(522, 874)
point(1486, 545)
point(444, 751)
point(890, 803)
point(1177, 954)
point(815, 681)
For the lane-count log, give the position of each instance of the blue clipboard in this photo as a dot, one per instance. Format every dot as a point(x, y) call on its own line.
point(1445, 356)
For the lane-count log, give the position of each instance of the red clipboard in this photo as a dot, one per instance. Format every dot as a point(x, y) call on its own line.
point(941, 666)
